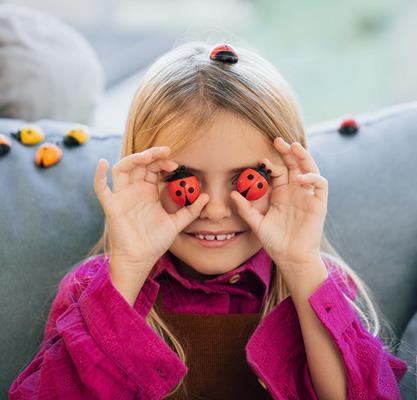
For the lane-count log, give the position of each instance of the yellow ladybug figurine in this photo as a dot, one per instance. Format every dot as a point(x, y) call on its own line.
point(29, 135)
point(48, 154)
point(77, 136)
point(4, 144)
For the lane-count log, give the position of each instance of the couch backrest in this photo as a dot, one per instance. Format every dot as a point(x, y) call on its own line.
point(51, 217)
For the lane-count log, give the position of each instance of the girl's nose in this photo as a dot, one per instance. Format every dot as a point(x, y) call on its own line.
point(220, 204)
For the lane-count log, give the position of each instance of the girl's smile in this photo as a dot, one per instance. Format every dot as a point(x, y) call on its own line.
point(211, 241)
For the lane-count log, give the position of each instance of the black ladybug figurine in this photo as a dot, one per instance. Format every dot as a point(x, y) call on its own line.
point(225, 53)
point(183, 186)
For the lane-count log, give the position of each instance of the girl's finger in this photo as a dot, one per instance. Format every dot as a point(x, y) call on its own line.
point(289, 158)
point(101, 189)
point(278, 174)
point(247, 210)
point(319, 183)
point(150, 173)
point(121, 170)
point(305, 159)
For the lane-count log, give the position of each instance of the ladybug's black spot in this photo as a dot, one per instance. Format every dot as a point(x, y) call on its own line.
point(178, 192)
point(183, 183)
point(250, 176)
point(191, 190)
point(260, 185)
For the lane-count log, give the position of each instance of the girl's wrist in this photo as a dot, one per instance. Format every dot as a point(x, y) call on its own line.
point(297, 263)
point(131, 265)
point(128, 279)
point(302, 278)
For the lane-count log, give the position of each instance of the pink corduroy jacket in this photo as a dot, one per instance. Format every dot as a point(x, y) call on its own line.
point(96, 346)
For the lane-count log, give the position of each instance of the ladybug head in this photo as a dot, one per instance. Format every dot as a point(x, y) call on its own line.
point(180, 172)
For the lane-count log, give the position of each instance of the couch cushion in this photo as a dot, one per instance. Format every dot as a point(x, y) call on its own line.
point(48, 70)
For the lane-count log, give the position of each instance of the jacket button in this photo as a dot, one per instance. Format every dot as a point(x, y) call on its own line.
point(161, 372)
point(262, 383)
point(234, 278)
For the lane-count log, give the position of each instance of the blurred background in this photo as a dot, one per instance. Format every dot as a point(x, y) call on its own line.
point(340, 57)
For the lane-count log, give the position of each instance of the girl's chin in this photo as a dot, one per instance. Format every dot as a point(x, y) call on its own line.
point(215, 244)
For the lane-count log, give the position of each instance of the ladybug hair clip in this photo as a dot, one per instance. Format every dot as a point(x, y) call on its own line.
point(253, 183)
point(225, 53)
point(183, 186)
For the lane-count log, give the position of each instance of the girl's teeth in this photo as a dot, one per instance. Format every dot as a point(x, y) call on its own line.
point(215, 237)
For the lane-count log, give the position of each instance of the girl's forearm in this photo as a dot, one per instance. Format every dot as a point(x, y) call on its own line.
point(324, 359)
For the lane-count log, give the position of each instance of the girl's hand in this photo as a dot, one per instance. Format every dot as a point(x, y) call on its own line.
point(140, 229)
point(291, 230)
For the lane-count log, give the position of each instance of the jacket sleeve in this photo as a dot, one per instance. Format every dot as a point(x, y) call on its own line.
point(96, 346)
point(276, 352)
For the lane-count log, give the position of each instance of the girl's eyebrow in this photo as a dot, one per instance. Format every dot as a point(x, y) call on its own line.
point(191, 169)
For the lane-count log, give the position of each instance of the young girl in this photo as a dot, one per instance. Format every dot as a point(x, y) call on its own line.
point(220, 297)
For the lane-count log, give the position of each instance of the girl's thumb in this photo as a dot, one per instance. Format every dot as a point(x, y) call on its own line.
point(247, 211)
point(185, 215)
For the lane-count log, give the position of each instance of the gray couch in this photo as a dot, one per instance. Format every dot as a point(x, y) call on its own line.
point(51, 217)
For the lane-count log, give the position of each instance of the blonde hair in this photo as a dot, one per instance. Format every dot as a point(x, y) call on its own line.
point(182, 91)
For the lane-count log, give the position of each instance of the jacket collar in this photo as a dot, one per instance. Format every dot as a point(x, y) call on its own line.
point(259, 266)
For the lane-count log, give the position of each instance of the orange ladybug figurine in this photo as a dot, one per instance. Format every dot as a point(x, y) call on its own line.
point(5, 144)
point(253, 183)
point(183, 186)
point(224, 53)
point(48, 154)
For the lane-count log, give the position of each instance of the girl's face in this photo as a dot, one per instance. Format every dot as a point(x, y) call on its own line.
point(217, 158)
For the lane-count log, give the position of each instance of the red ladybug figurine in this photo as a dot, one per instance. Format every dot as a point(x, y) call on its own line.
point(253, 183)
point(348, 126)
point(183, 186)
point(224, 53)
